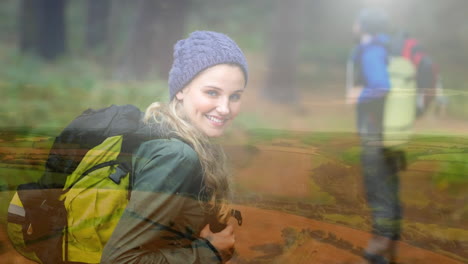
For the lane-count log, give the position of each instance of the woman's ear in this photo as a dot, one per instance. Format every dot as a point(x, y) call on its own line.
point(180, 95)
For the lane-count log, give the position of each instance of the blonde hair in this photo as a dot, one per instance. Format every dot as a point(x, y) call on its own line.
point(172, 118)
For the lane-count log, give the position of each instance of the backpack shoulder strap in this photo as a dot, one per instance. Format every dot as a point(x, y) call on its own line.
point(413, 51)
point(409, 48)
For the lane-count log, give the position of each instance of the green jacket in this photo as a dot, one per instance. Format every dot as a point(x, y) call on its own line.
point(164, 216)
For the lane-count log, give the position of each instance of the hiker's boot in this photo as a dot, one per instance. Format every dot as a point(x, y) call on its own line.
point(380, 250)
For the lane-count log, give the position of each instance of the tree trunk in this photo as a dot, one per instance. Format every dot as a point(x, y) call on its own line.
point(52, 28)
point(171, 19)
point(158, 25)
point(97, 23)
point(281, 85)
point(28, 26)
point(42, 27)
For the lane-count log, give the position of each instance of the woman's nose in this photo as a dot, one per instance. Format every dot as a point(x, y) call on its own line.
point(223, 107)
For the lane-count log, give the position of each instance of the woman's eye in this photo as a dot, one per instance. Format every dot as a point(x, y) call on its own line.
point(235, 97)
point(212, 93)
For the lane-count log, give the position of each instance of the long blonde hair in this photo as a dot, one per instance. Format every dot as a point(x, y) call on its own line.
point(172, 118)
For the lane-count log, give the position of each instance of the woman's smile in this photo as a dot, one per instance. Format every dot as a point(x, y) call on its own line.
point(217, 121)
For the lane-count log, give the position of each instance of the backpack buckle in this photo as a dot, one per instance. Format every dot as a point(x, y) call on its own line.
point(118, 174)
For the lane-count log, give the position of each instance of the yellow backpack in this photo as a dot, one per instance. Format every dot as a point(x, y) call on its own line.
point(70, 213)
point(400, 104)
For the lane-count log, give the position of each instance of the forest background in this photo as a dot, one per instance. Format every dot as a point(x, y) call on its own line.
point(61, 57)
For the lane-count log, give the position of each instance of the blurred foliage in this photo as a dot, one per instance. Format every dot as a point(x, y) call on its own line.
point(357, 221)
point(351, 155)
point(317, 195)
point(453, 168)
point(8, 20)
point(49, 95)
point(245, 21)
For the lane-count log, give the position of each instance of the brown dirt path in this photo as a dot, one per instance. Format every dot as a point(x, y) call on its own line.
point(284, 169)
point(264, 227)
point(278, 170)
point(260, 239)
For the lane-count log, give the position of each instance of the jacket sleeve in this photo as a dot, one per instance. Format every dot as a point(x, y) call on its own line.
point(163, 218)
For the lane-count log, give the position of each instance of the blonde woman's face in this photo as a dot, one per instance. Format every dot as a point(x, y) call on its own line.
point(213, 98)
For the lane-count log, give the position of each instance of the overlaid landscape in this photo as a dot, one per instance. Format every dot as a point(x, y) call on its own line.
point(302, 198)
point(293, 149)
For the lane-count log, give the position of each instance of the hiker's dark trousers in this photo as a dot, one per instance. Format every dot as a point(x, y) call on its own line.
point(380, 174)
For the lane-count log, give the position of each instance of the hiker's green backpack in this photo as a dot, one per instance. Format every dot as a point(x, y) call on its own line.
point(414, 79)
point(70, 213)
point(400, 104)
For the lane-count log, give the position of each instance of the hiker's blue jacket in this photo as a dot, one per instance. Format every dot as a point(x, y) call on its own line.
point(372, 59)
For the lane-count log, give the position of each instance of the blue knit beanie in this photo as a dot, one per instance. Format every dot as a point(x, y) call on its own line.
point(201, 50)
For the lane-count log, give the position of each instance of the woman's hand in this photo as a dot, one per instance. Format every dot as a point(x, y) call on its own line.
point(223, 241)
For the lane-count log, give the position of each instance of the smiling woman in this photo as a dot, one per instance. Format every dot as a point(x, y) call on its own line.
point(213, 99)
point(181, 181)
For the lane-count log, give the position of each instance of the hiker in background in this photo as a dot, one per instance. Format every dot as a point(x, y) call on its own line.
point(181, 180)
point(370, 58)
